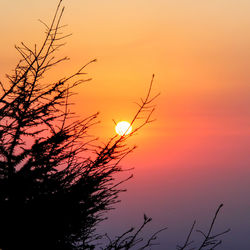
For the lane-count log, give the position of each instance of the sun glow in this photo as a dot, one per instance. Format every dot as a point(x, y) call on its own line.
point(123, 128)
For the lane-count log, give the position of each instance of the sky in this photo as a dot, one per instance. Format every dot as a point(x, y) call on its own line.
point(196, 154)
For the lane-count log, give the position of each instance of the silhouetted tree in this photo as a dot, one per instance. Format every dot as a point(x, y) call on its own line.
point(55, 186)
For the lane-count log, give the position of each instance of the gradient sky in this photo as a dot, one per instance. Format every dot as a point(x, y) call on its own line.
point(196, 155)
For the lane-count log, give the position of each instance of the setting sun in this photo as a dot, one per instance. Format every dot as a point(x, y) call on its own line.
point(123, 128)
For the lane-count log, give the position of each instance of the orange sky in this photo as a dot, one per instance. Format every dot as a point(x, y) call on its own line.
point(199, 52)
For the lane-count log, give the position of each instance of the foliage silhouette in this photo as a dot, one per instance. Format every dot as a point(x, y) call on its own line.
point(53, 193)
point(55, 185)
point(209, 242)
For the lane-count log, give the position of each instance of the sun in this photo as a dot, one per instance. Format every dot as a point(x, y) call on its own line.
point(123, 128)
